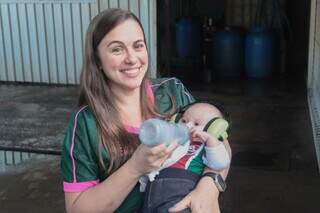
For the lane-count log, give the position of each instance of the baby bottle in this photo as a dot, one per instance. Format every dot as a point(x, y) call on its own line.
point(155, 131)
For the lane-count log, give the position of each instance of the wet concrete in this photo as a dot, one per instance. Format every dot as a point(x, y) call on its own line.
point(274, 164)
point(32, 186)
point(34, 117)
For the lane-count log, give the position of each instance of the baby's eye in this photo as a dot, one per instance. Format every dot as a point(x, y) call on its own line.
point(183, 120)
point(196, 124)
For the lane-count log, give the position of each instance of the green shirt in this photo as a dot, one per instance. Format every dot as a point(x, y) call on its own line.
point(80, 161)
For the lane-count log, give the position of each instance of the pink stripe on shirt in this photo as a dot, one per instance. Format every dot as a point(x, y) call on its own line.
point(79, 187)
point(132, 129)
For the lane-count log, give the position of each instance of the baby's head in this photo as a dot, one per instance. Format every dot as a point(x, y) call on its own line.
point(199, 114)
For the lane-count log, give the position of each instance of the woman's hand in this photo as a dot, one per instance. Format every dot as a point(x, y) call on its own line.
point(146, 159)
point(203, 199)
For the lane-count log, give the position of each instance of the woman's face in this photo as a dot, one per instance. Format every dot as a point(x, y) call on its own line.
point(123, 56)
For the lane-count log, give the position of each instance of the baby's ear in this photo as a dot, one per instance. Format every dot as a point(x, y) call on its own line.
point(218, 128)
point(175, 118)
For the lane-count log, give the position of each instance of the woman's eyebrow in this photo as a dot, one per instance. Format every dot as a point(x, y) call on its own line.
point(120, 42)
point(113, 42)
point(140, 40)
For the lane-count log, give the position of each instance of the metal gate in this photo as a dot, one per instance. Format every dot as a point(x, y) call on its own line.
point(42, 41)
point(314, 73)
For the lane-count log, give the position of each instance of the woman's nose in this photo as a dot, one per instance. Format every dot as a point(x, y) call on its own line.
point(131, 57)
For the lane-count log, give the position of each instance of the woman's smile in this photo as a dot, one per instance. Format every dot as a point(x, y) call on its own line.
point(131, 72)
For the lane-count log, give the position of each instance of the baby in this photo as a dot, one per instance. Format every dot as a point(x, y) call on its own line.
point(207, 130)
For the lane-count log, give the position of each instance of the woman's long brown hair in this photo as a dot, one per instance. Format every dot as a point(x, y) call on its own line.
point(96, 93)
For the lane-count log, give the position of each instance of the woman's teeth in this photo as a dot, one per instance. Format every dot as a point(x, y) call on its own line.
point(131, 72)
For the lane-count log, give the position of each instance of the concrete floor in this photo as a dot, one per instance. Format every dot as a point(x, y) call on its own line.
point(274, 165)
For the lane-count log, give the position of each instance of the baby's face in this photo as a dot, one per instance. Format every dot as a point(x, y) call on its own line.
point(198, 115)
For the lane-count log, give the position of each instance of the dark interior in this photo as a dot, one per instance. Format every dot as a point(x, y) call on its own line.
point(271, 136)
point(290, 22)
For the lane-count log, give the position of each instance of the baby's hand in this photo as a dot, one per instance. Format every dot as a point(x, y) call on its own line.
point(198, 135)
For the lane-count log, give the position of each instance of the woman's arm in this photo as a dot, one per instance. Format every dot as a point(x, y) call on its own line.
point(198, 200)
point(108, 195)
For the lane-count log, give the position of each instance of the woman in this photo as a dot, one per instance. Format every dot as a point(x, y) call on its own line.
point(102, 158)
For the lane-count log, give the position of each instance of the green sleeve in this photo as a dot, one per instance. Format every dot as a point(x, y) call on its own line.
point(165, 89)
point(79, 161)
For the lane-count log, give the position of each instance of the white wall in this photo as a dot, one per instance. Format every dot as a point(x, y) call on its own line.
point(42, 41)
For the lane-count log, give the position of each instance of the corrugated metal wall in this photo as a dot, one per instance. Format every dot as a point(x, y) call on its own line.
point(42, 41)
point(314, 73)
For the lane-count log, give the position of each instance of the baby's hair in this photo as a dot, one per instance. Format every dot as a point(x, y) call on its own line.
point(225, 115)
point(220, 106)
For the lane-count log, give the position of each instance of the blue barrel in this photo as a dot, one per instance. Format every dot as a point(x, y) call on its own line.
point(260, 49)
point(228, 59)
point(188, 38)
